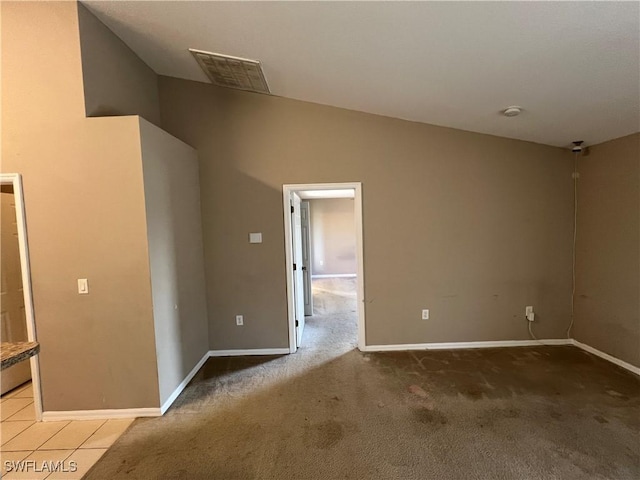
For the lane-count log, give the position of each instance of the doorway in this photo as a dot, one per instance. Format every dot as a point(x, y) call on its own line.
point(299, 256)
point(18, 322)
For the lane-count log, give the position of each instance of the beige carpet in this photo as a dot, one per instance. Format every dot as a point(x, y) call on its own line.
point(335, 296)
point(331, 412)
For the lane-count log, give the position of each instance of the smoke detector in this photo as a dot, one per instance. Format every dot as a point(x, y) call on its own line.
point(512, 111)
point(232, 72)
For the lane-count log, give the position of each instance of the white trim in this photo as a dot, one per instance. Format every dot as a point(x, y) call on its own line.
point(172, 398)
point(501, 344)
point(288, 253)
point(287, 190)
point(360, 260)
point(465, 345)
point(252, 351)
point(606, 356)
point(156, 412)
point(100, 414)
point(15, 180)
point(336, 275)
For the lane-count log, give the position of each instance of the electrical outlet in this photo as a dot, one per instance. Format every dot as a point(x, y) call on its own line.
point(425, 314)
point(239, 320)
point(528, 313)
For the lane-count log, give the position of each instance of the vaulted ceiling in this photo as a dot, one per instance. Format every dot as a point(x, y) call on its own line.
point(574, 67)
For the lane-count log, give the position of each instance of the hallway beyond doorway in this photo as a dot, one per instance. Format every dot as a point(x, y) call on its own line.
point(334, 324)
point(334, 295)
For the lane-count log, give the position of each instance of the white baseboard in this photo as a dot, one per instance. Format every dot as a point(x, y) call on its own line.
point(606, 356)
point(156, 412)
point(336, 275)
point(465, 345)
point(54, 416)
point(254, 351)
point(172, 398)
point(499, 344)
point(124, 412)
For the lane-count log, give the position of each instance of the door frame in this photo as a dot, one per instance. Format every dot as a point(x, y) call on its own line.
point(287, 190)
point(297, 273)
point(15, 179)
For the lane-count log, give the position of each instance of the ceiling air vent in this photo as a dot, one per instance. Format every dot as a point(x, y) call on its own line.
point(232, 72)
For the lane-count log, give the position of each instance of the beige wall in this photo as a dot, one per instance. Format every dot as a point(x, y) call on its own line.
point(608, 249)
point(172, 203)
point(472, 226)
point(116, 80)
point(333, 236)
point(84, 203)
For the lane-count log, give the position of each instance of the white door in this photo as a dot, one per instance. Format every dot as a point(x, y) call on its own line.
point(12, 310)
point(298, 277)
point(306, 256)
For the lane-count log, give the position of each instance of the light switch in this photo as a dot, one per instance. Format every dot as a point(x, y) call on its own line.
point(83, 286)
point(255, 238)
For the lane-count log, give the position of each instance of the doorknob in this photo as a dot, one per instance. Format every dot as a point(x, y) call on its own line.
point(304, 268)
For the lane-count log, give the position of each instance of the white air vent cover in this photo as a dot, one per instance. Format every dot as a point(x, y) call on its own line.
point(232, 72)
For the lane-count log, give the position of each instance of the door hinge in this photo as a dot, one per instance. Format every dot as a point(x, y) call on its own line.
point(297, 323)
point(295, 267)
point(293, 209)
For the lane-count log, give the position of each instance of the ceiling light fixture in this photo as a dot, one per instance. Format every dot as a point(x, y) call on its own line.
point(232, 72)
point(512, 111)
point(342, 193)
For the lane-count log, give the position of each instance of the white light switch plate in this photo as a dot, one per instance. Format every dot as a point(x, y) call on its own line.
point(83, 286)
point(255, 237)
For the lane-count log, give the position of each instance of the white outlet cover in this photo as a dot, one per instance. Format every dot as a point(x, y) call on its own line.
point(255, 237)
point(425, 314)
point(239, 320)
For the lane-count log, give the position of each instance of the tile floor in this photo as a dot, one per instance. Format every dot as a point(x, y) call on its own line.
point(43, 444)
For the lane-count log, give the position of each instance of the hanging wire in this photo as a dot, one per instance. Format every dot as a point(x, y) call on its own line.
point(531, 331)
